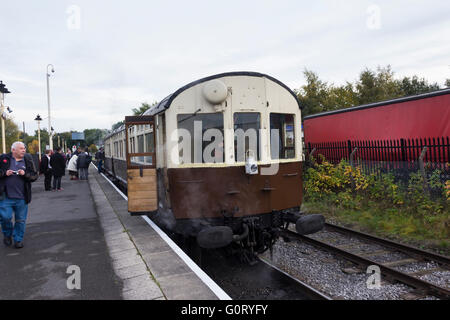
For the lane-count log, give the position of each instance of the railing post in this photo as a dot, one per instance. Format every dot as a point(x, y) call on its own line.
point(349, 148)
point(351, 173)
point(403, 148)
point(422, 170)
point(352, 155)
point(311, 157)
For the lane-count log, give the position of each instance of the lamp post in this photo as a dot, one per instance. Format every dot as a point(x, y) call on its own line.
point(39, 119)
point(52, 133)
point(3, 91)
point(48, 102)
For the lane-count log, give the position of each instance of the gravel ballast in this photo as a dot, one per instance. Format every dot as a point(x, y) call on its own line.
point(324, 271)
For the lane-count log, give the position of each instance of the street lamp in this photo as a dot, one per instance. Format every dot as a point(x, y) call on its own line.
point(52, 133)
point(48, 102)
point(39, 119)
point(3, 91)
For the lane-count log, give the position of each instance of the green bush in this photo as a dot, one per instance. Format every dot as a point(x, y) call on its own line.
point(414, 209)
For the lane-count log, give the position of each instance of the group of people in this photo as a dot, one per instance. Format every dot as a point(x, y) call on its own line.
point(53, 164)
point(18, 171)
point(78, 164)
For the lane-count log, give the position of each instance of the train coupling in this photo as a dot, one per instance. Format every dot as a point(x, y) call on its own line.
point(305, 224)
point(214, 237)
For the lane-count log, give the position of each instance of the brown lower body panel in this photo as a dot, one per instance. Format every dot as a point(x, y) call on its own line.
point(228, 191)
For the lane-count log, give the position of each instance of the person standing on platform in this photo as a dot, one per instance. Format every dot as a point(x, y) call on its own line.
point(17, 172)
point(78, 151)
point(84, 159)
point(100, 156)
point(72, 166)
point(58, 163)
point(68, 156)
point(46, 169)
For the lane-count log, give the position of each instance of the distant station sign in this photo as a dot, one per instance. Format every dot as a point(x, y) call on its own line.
point(77, 135)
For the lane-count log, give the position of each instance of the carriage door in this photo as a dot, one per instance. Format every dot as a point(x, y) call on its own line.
point(141, 164)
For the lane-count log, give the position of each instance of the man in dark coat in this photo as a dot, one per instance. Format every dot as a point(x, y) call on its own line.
point(78, 151)
point(46, 169)
point(100, 157)
point(17, 171)
point(83, 162)
point(58, 163)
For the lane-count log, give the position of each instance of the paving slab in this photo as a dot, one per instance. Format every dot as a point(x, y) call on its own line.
point(62, 231)
point(190, 283)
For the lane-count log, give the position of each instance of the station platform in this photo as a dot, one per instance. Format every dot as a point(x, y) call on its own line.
point(87, 226)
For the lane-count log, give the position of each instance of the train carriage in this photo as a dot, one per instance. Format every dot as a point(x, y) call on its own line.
point(219, 160)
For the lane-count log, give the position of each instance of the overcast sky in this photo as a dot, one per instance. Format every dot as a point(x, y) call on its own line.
point(110, 56)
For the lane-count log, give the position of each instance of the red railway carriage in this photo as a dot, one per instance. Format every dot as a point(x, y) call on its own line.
point(401, 127)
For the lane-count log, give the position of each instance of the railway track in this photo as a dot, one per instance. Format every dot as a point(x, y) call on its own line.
point(309, 291)
point(346, 244)
point(261, 281)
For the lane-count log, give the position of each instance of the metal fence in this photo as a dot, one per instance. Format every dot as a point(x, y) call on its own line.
point(400, 156)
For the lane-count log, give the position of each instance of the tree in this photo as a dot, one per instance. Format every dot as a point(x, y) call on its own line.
point(93, 148)
point(318, 96)
point(33, 147)
point(447, 83)
point(94, 136)
point(312, 96)
point(67, 137)
point(28, 139)
point(117, 125)
point(144, 107)
point(372, 86)
point(414, 85)
point(12, 134)
point(377, 86)
point(341, 97)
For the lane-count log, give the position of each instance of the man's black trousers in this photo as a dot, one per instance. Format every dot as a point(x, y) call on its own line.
point(48, 181)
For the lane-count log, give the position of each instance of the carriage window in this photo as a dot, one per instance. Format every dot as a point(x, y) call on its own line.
point(207, 129)
point(149, 146)
point(284, 123)
point(116, 154)
point(140, 146)
point(246, 135)
point(132, 148)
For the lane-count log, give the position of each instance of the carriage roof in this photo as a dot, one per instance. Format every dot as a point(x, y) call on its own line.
point(166, 102)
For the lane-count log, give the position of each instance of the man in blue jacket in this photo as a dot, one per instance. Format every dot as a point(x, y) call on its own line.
point(17, 171)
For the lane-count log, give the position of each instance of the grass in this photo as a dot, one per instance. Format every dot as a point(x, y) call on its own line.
point(431, 231)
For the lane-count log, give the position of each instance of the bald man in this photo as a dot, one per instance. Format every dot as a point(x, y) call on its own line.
point(17, 171)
